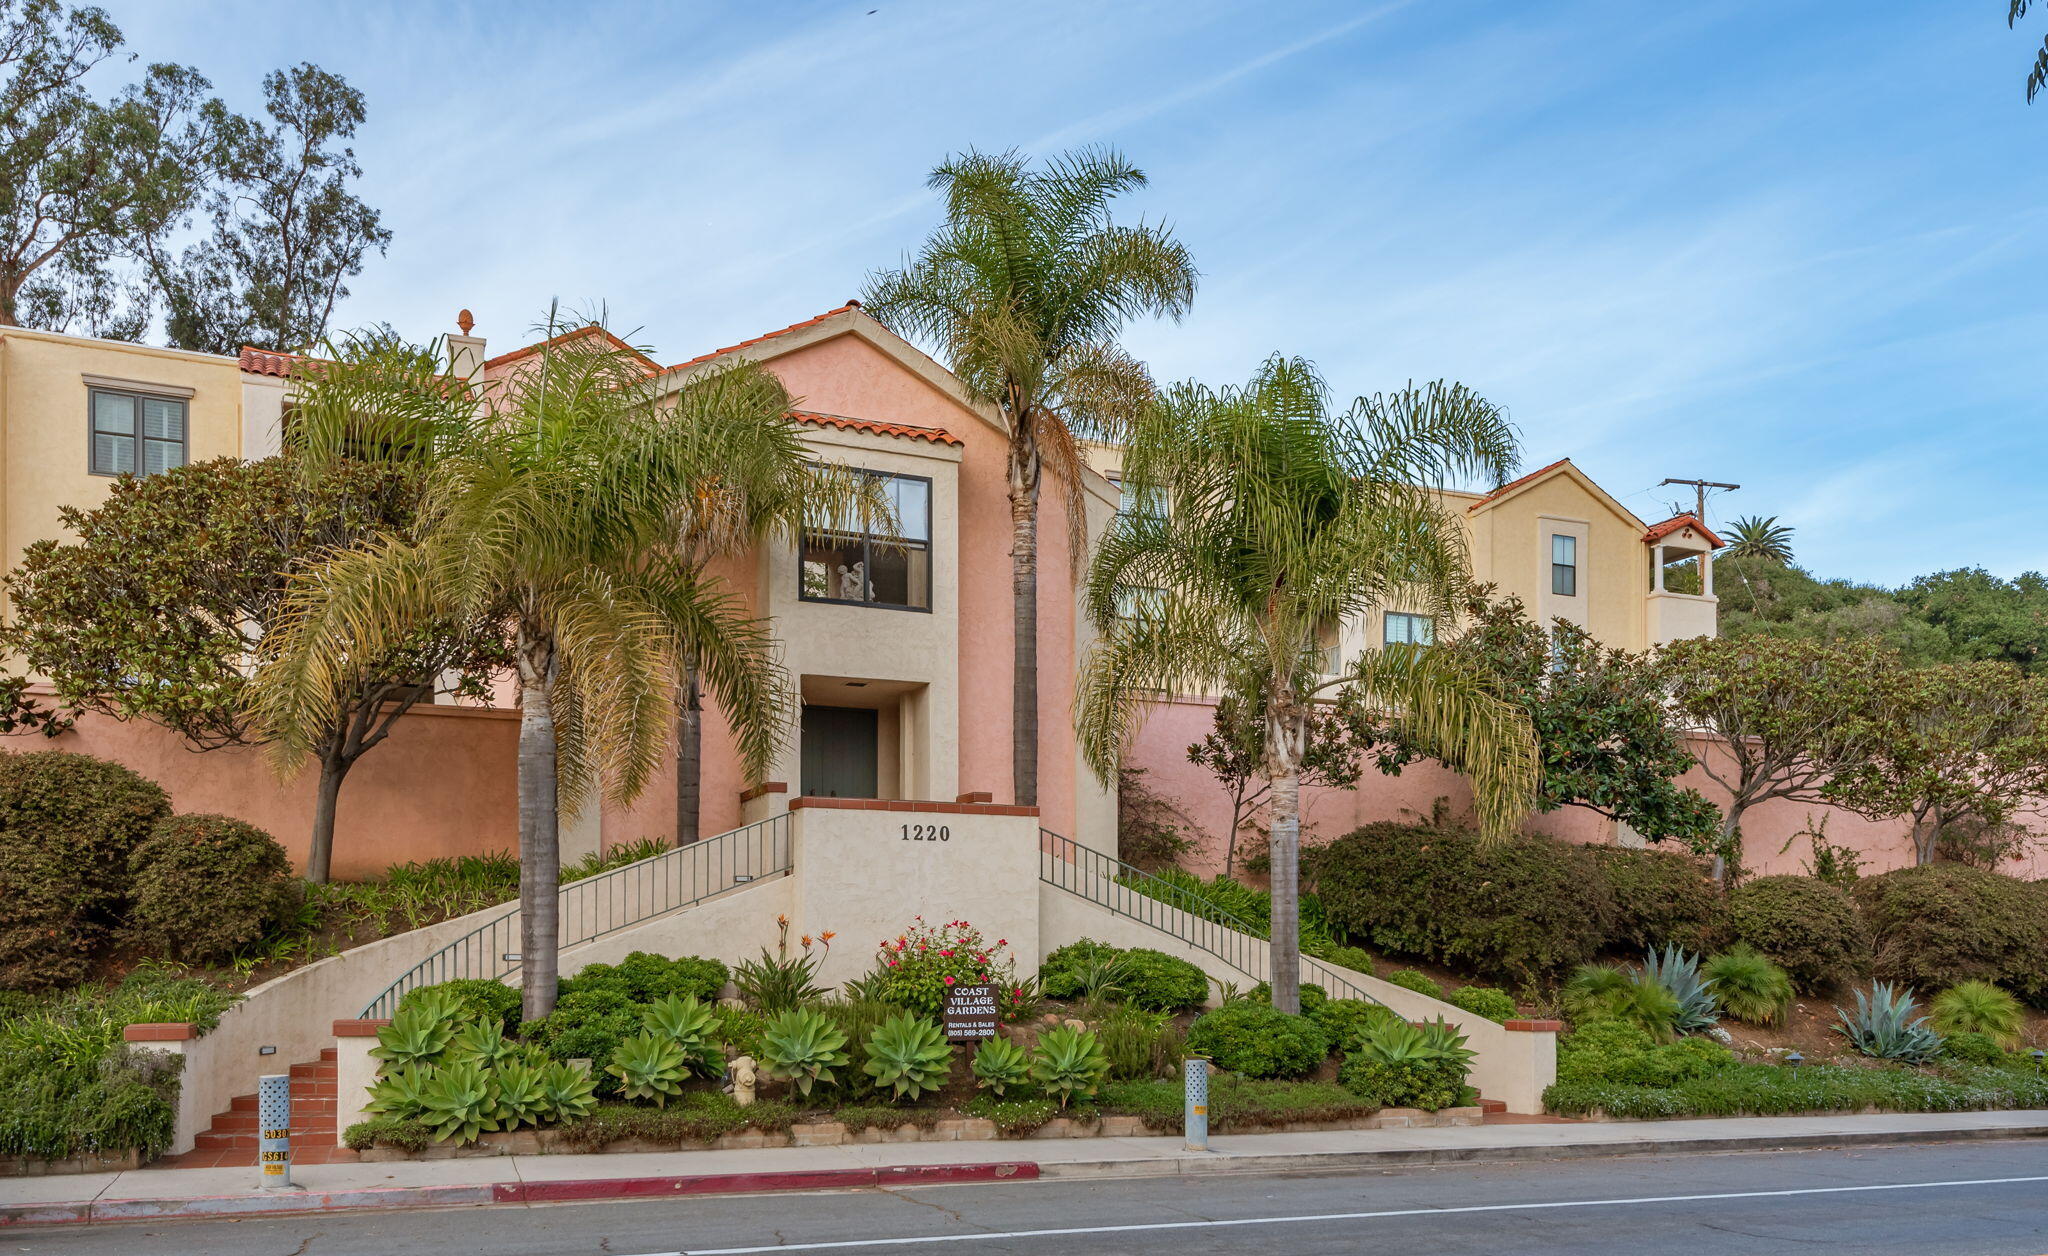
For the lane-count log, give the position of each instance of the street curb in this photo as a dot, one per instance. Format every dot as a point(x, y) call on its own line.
point(379, 1198)
point(270, 1203)
point(1396, 1157)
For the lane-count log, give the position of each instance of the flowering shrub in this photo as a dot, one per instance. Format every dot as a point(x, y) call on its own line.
point(914, 968)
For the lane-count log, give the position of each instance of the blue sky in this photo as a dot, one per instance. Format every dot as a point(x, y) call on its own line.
point(1793, 244)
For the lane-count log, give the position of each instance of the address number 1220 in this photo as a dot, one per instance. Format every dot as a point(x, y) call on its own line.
point(927, 833)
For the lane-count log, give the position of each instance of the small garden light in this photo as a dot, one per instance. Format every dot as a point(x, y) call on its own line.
point(2039, 1055)
point(1795, 1059)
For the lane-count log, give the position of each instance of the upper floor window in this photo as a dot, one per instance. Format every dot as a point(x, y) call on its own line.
point(1132, 500)
point(135, 432)
point(845, 561)
point(1140, 602)
point(1406, 629)
point(1564, 565)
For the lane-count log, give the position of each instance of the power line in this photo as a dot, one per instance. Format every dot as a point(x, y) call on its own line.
point(1700, 488)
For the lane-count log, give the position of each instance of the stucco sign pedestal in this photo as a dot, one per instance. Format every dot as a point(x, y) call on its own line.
point(864, 869)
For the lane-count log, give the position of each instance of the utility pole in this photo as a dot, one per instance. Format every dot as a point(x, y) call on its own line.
point(1700, 488)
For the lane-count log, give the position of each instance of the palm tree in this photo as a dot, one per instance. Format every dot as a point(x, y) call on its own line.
point(1023, 291)
point(1280, 519)
point(1764, 539)
point(553, 506)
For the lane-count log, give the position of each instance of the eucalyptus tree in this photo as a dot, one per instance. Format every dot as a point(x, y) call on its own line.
point(1022, 291)
point(552, 505)
point(1279, 519)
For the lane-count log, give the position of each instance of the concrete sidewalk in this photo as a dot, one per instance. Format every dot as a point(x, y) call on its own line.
point(157, 1194)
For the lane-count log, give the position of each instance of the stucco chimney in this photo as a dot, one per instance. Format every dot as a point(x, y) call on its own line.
point(466, 352)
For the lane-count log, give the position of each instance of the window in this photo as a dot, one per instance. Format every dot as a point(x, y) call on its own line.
point(1405, 629)
point(1131, 500)
point(1329, 647)
point(1140, 602)
point(134, 432)
point(1564, 565)
point(842, 561)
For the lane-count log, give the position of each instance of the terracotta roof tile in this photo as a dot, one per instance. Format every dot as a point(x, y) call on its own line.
point(506, 359)
point(1517, 483)
point(874, 427)
point(783, 331)
point(1659, 531)
point(264, 362)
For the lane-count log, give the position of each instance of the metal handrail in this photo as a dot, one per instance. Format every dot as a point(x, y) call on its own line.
point(1134, 893)
point(606, 903)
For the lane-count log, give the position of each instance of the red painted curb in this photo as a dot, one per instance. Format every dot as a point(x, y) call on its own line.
point(206, 1207)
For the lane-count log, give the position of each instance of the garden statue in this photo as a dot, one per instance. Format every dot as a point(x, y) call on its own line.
point(741, 1073)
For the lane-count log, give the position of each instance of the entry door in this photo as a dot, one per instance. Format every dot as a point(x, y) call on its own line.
point(840, 751)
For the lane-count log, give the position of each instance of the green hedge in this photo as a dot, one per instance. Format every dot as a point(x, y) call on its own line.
point(1806, 927)
point(206, 886)
point(1258, 1040)
point(1776, 1090)
point(68, 823)
point(1523, 910)
point(1661, 897)
point(1939, 924)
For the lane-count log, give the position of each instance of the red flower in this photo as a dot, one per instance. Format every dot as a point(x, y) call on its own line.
point(949, 981)
point(1002, 941)
point(892, 963)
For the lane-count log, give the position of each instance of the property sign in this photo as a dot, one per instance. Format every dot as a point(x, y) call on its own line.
point(970, 1013)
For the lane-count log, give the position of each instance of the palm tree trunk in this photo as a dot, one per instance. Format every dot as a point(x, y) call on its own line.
point(1285, 846)
point(689, 759)
point(334, 766)
point(540, 846)
point(1024, 478)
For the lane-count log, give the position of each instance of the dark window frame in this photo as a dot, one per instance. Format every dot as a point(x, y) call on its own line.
point(1387, 625)
point(138, 396)
point(1564, 573)
point(868, 540)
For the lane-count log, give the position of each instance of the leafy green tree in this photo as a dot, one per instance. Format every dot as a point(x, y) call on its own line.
point(1984, 616)
point(287, 230)
point(157, 607)
point(2014, 11)
point(1965, 747)
point(1605, 738)
point(1336, 738)
point(1023, 291)
point(1280, 518)
point(552, 506)
point(1792, 716)
point(81, 179)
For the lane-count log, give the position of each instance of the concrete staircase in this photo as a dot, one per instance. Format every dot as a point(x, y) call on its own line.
point(233, 1137)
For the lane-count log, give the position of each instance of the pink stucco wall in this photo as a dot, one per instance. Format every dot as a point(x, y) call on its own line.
point(442, 784)
point(1773, 840)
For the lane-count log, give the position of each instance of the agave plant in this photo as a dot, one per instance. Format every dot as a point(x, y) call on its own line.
point(908, 1055)
point(571, 1091)
point(1884, 1027)
point(781, 983)
point(688, 1023)
point(419, 1033)
point(402, 1092)
point(801, 1046)
point(1678, 971)
point(649, 1066)
point(1102, 976)
point(461, 1101)
point(1392, 1041)
point(1000, 1064)
point(1068, 1062)
point(522, 1095)
point(484, 1042)
point(1981, 1008)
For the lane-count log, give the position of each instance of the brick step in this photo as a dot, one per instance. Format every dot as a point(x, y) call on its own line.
point(245, 1122)
point(1492, 1105)
point(327, 1055)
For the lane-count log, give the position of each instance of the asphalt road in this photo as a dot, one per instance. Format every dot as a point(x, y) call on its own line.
point(1929, 1200)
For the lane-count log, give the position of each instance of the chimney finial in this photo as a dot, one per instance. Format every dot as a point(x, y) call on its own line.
point(465, 320)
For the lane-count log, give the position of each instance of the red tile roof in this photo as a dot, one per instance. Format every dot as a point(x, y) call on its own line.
point(874, 427)
point(506, 359)
point(1517, 483)
point(264, 362)
point(1676, 522)
point(784, 331)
